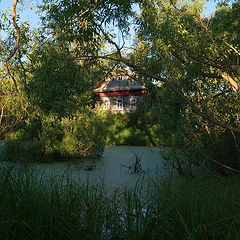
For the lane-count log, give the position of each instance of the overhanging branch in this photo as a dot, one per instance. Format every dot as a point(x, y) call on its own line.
point(173, 87)
point(183, 95)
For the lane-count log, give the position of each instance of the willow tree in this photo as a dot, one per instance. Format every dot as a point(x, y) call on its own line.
point(195, 58)
point(39, 74)
point(13, 83)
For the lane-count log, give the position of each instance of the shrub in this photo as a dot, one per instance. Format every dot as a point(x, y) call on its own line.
point(22, 151)
point(130, 129)
point(82, 135)
point(51, 136)
point(15, 134)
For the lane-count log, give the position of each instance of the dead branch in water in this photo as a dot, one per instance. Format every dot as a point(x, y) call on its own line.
point(136, 167)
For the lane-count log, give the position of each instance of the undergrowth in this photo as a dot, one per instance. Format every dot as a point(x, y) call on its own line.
point(34, 206)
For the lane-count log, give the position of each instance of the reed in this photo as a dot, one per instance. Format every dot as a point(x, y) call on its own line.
point(34, 206)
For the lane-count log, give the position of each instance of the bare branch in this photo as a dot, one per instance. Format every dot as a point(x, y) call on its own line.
point(107, 74)
point(24, 73)
point(111, 41)
point(232, 82)
point(219, 163)
point(230, 46)
point(17, 43)
point(1, 115)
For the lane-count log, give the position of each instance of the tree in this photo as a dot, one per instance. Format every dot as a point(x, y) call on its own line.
point(194, 57)
point(13, 43)
point(199, 58)
point(58, 84)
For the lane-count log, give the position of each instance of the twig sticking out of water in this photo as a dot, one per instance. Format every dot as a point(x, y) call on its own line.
point(136, 167)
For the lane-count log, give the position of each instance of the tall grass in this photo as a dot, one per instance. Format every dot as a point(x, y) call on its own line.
point(33, 206)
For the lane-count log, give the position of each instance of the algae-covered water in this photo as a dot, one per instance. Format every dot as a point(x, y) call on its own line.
point(111, 169)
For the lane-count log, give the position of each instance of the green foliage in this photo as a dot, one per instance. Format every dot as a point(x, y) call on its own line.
point(13, 107)
point(81, 22)
point(56, 139)
point(80, 136)
point(58, 84)
point(136, 128)
point(35, 206)
point(51, 136)
point(13, 100)
point(199, 56)
point(191, 139)
point(15, 135)
point(24, 151)
point(193, 53)
point(84, 134)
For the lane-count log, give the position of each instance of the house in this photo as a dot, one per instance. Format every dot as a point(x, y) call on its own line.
point(120, 93)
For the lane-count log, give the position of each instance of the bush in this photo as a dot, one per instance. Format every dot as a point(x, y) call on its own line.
point(51, 136)
point(83, 135)
point(80, 136)
point(15, 134)
point(130, 129)
point(25, 151)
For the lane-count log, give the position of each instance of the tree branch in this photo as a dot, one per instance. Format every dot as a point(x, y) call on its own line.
point(183, 95)
point(171, 86)
point(232, 82)
point(111, 41)
point(17, 43)
point(219, 163)
point(1, 115)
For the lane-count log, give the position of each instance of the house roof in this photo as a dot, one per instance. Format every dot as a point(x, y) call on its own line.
point(121, 84)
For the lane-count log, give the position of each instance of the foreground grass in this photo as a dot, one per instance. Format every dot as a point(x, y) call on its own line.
point(33, 206)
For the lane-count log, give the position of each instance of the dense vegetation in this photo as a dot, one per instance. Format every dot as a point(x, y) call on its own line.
point(190, 65)
point(189, 62)
point(60, 208)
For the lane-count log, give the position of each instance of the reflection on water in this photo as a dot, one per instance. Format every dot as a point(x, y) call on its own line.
point(109, 169)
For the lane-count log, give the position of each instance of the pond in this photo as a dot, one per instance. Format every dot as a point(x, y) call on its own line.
point(111, 169)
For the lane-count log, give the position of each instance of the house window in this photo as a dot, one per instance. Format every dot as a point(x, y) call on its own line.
point(106, 104)
point(119, 104)
point(133, 103)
